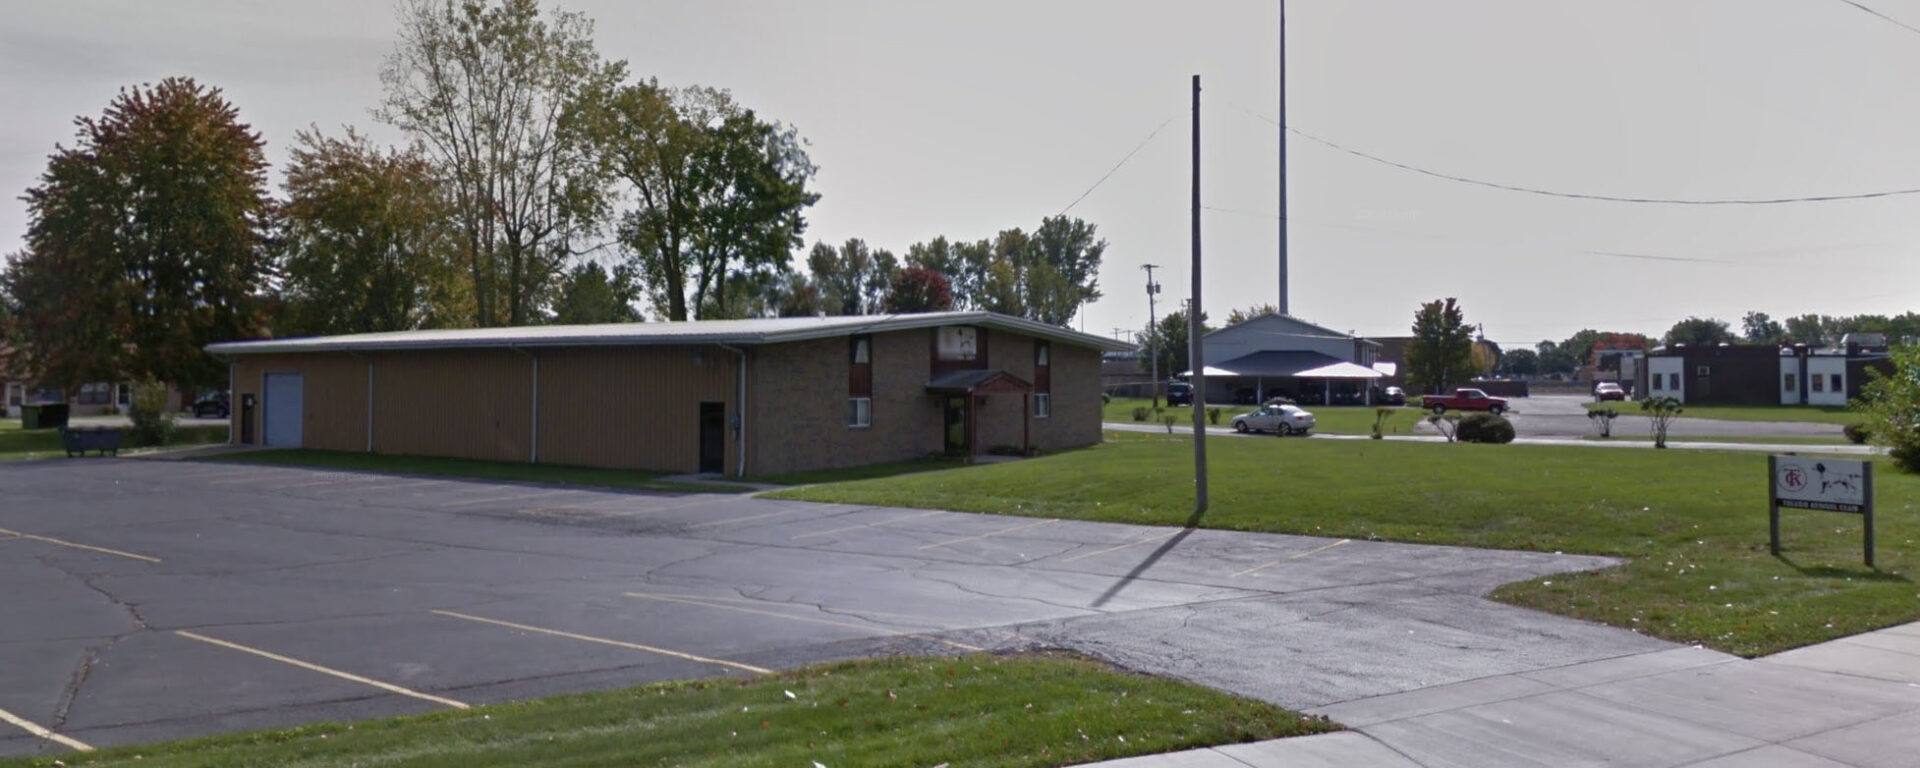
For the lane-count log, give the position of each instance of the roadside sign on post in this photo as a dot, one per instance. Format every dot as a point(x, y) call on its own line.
point(1831, 485)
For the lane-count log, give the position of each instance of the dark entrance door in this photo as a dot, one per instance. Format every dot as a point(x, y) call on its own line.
point(956, 431)
point(713, 437)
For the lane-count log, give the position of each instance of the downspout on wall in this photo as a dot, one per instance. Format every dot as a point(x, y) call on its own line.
point(740, 411)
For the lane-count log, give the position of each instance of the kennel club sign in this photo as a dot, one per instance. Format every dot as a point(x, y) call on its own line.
point(1807, 482)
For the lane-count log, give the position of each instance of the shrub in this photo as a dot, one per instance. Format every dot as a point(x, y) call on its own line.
point(1380, 416)
point(1856, 432)
point(1141, 413)
point(152, 422)
point(1446, 424)
point(1213, 416)
point(1602, 419)
point(1892, 406)
point(1483, 427)
point(1169, 420)
point(1105, 398)
point(1662, 411)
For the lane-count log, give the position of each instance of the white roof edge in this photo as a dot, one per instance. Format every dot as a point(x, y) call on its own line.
point(1307, 323)
point(655, 334)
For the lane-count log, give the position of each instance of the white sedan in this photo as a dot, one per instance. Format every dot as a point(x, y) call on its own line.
point(1281, 419)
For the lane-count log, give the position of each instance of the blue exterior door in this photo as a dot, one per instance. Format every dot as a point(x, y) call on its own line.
point(283, 410)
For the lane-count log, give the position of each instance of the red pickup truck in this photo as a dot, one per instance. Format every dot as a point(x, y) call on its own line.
point(1464, 399)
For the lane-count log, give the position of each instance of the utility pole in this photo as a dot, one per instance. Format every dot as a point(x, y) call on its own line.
point(1199, 359)
point(1153, 333)
point(1283, 158)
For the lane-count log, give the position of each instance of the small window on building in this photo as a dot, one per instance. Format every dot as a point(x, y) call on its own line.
point(1673, 381)
point(1789, 383)
point(859, 411)
point(1819, 383)
point(1658, 380)
point(1702, 371)
point(862, 350)
point(1837, 384)
point(95, 393)
point(1042, 405)
point(1041, 352)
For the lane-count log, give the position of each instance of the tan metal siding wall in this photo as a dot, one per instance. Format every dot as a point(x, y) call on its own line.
point(633, 407)
point(333, 398)
point(474, 404)
point(797, 398)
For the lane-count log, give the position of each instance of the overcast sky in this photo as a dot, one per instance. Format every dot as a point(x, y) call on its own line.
point(962, 119)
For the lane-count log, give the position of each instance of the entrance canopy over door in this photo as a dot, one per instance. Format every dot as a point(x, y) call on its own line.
point(970, 386)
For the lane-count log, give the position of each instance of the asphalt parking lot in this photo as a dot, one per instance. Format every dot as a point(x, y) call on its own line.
point(1566, 416)
point(149, 600)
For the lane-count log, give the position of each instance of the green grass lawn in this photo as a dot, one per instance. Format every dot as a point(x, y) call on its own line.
point(1819, 414)
point(965, 711)
point(17, 443)
point(1693, 523)
point(489, 470)
point(1331, 419)
point(1782, 439)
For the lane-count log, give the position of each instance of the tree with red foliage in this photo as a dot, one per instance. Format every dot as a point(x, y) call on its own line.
point(918, 289)
point(144, 242)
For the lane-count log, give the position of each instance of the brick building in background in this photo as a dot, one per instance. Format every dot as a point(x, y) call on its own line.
point(733, 396)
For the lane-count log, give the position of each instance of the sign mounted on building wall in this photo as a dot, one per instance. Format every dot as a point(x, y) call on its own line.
point(1820, 483)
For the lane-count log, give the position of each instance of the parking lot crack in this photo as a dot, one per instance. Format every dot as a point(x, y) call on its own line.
point(90, 656)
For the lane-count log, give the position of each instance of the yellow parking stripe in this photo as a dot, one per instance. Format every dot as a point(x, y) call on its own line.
point(1097, 553)
point(751, 518)
point(985, 535)
point(65, 543)
point(806, 619)
point(324, 670)
point(605, 641)
point(35, 729)
point(1295, 556)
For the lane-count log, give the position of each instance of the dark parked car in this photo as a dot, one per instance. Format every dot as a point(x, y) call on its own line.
point(212, 405)
point(1393, 396)
point(1179, 393)
point(1608, 390)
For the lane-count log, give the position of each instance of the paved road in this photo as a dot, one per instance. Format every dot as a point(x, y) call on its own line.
point(1566, 416)
point(150, 600)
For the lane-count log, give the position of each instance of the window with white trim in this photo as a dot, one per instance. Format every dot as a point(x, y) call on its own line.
point(859, 411)
point(1042, 405)
point(95, 393)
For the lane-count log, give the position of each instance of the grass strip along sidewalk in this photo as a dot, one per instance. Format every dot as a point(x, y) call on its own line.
point(1692, 523)
point(436, 466)
point(976, 710)
point(1839, 415)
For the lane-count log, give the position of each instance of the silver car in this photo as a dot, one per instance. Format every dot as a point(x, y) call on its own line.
point(1279, 419)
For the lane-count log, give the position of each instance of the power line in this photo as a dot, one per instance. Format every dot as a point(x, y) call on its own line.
point(1430, 236)
point(1884, 17)
point(1578, 195)
point(1123, 161)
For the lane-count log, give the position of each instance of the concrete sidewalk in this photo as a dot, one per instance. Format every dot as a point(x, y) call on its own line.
point(1849, 702)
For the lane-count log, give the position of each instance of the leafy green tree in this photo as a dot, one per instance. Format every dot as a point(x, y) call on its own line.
point(963, 264)
point(1807, 329)
point(719, 196)
point(1892, 406)
point(796, 296)
point(1758, 328)
point(1168, 342)
point(918, 289)
point(503, 98)
point(1554, 358)
point(1440, 354)
point(1699, 332)
point(1239, 316)
point(591, 294)
point(1519, 362)
point(144, 242)
point(852, 279)
point(366, 242)
point(1063, 269)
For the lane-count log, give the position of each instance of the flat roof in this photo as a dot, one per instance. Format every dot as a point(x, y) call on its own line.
point(736, 332)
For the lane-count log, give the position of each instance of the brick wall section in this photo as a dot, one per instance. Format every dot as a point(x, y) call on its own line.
point(797, 403)
point(1075, 372)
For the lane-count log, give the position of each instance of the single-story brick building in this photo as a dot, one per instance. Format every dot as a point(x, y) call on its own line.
point(735, 396)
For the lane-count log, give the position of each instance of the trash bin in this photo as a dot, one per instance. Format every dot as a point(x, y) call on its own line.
point(48, 416)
